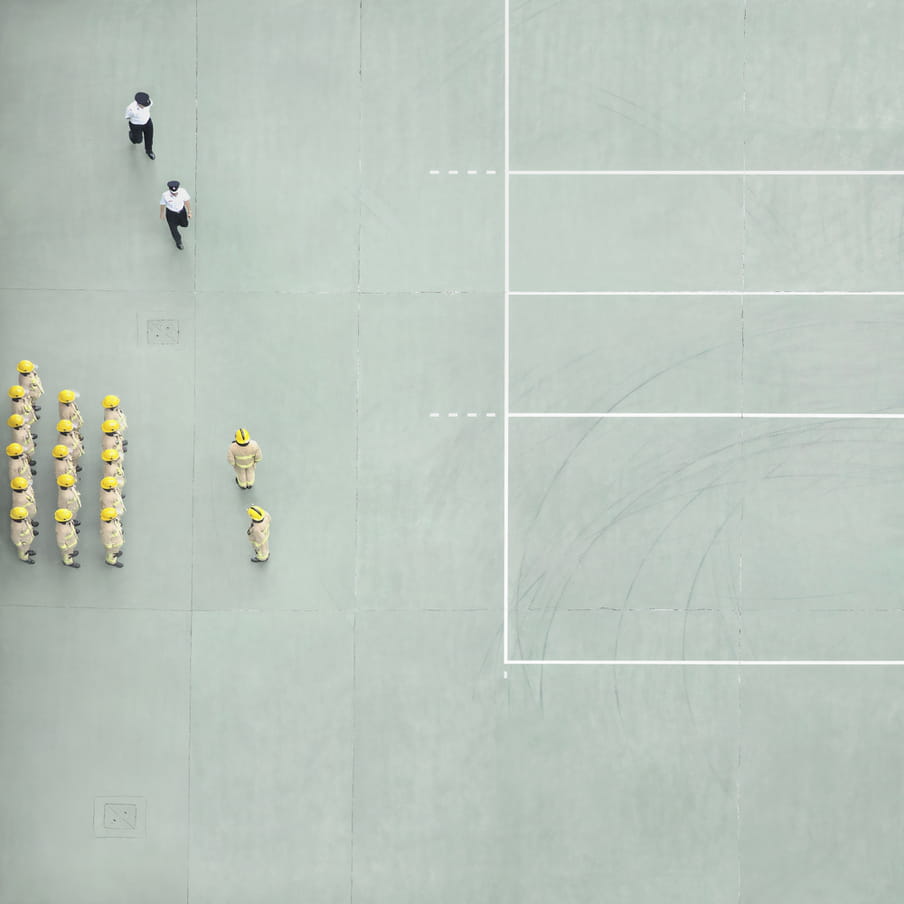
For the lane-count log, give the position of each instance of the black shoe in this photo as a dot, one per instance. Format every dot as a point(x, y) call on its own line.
point(113, 564)
point(72, 565)
point(35, 523)
point(32, 462)
point(33, 472)
point(260, 560)
point(78, 467)
point(116, 555)
point(76, 523)
point(37, 407)
point(29, 561)
point(151, 154)
point(179, 245)
point(34, 436)
point(30, 552)
point(35, 533)
point(77, 531)
point(74, 554)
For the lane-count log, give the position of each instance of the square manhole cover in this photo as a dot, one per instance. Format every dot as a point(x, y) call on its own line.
point(163, 332)
point(120, 817)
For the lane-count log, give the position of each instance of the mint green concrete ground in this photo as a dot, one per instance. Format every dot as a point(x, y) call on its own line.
point(338, 725)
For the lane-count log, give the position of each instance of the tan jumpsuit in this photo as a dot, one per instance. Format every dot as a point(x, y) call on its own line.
point(112, 441)
point(67, 540)
point(63, 466)
point(31, 383)
point(23, 536)
point(26, 498)
point(112, 499)
point(22, 436)
point(118, 415)
point(69, 498)
point(111, 537)
point(259, 535)
point(114, 469)
point(69, 412)
point(73, 443)
point(19, 467)
point(243, 459)
point(23, 406)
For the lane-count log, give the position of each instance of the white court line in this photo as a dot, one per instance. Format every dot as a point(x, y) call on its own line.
point(734, 292)
point(505, 352)
point(740, 172)
point(765, 415)
point(716, 662)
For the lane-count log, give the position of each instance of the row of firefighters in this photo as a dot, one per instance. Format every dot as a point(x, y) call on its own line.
point(69, 448)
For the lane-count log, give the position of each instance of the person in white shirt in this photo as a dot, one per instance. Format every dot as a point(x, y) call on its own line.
point(178, 210)
point(138, 114)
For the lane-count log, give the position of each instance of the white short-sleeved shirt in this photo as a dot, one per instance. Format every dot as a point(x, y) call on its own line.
point(138, 115)
point(175, 201)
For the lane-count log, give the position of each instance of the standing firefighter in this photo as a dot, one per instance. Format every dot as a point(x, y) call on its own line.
point(244, 453)
point(68, 496)
point(21, 404)
point(112, 466)
point(18, 462)
point(259, 533)
point(69, 410)
point(31, 382)
point(110, 497)
point(22, 533)
point(111, 536)
point(66, 537)
point(24, 497)
point(21, 434)
point(68, 437)
point(62, 461)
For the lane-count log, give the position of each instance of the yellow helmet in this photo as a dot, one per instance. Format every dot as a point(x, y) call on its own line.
point(108, 513)
point(111, 401)
point(242, 437)
point(25, 367)
point(16, 392)
point(18, 483)
point(65, 480)
point(110, 455)
point(66, 396)
point(109, 427)
point(256, 513)
point(18, 513)
point(13, 450)
point(65, 426)
point(62, 515)
point(59, 451)
point(109, 483)
point(15, 420)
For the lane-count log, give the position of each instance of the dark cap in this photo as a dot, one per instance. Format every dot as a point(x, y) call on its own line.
point(172, 186)
point(143, 99)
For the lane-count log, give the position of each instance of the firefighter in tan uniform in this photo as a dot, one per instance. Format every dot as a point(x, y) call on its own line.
point(24, 497)
point(113, 438)
point(21, 434)
point(30, 382)
point(68, 496)
point(69, 410)
point(244, 453)
point(62, 461)
point(259, 533)
point(68, 437)
point(111, 536)
point(18, 462)
point(66, 537)
point(20, 403)
point(112, 412)
point(110, 497)
point(22, 533)
point(112, 466)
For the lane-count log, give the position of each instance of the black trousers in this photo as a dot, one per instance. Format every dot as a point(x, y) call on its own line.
point(136, 131)
point(175, 219)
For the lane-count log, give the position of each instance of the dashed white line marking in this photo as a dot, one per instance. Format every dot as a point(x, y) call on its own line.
point(472, 414)
point(434, 172)
point(491, 172)
point(453, 172)
point(491, 414)
point(453, 414)
point(472, 172)
point(434, 414)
